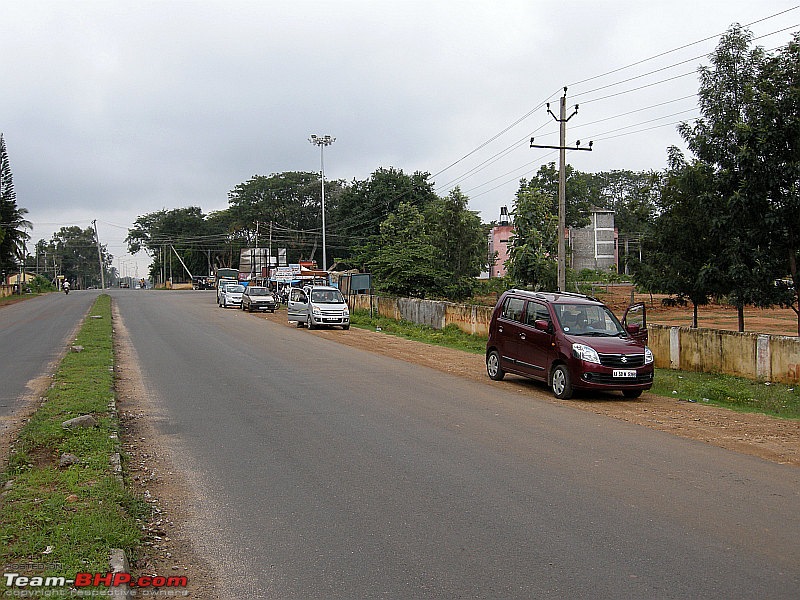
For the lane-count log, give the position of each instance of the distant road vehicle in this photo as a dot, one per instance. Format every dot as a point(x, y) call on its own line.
point(221, 284)
point(258, 298)
point(231, 296)
point(316, 306)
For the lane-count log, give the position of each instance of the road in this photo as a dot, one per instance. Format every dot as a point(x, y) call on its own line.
point(33, 335)
point(322, 471)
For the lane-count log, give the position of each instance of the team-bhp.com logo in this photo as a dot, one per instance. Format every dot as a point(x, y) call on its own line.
point(15, 581)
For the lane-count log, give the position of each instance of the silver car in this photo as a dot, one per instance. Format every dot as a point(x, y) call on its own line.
point(231, 296)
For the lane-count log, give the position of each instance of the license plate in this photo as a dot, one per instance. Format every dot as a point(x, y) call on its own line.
point(624, 373)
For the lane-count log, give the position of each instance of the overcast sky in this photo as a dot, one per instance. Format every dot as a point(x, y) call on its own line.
point(114, 109)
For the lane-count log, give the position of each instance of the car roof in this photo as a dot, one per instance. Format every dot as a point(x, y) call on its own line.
point(555, 297)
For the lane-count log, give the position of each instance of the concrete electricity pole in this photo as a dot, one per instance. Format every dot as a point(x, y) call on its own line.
point(562, 182)
point(99, 257)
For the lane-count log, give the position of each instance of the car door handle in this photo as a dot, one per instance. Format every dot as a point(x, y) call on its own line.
point(522, 336)
point(500, 329)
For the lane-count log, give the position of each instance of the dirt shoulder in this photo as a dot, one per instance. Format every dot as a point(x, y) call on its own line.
point(776, 440)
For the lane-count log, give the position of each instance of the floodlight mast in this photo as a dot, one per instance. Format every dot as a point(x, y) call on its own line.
point(322, 141)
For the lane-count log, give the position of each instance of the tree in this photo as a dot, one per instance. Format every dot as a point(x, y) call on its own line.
point(578, 199)
point(403, 259)
point(12, 218)
point(720, 139)
point(459, 239)
point(198, 241)
point(533, 246)
point(633, 196)
point(292, 201)
point(364, 205)
point(679, 255)
point(74, 255)
point(774, 155)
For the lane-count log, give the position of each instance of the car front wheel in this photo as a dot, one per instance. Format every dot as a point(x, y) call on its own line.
point(310, 323)
point(561, 383)
point(631, 393)
point(493, 368)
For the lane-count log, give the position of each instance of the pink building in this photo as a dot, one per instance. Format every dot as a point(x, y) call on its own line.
point(499, 243)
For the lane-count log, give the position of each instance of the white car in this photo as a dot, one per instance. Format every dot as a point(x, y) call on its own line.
point(231, 296)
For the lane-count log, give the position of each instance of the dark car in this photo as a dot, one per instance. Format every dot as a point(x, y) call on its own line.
point(258, 298)
point(571, 342)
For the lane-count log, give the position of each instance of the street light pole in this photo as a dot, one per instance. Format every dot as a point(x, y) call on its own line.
point(322, 141)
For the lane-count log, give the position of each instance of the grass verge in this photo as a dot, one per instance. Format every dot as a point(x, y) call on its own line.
point(60, 520)
point(736, 393)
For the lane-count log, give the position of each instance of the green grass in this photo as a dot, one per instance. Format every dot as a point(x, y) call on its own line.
point(67, 519)
point(736, 393)
point(450, 337)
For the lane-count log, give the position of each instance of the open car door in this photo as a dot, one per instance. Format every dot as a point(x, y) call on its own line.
point(635, 322)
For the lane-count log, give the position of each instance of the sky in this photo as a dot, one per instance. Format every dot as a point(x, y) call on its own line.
point(115, 109)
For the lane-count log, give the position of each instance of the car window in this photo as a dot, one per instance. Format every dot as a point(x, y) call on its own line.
point(297, 296)
point(512, 309)
point(236, 289)
point(327, 296)
point(536, 311)
point(583, 319)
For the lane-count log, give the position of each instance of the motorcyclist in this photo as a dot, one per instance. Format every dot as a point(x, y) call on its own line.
point(66, 287)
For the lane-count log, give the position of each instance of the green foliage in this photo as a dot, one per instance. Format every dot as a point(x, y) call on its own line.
point(188, 231)
point(533, 247)
point(680, 253)
point(72, 252)
point(12, 218)
point(577, 193)
point(403, 261)
point(364, 205)
point(633, 196)
point(741, 226)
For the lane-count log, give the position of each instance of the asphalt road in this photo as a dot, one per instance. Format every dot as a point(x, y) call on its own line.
point(322, 471)
point(33, 335)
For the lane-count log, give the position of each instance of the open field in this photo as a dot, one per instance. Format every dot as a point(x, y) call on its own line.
point(779, 321)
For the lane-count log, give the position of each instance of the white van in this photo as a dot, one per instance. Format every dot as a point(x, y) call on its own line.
point(316, 306)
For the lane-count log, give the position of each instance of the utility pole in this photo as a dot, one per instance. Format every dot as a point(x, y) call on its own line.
point(99, 257)
point(562, 182)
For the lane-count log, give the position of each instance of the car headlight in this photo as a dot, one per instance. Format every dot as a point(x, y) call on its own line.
point(317, 310)
point(346, 313)
point(648, 355)
point(585, 353)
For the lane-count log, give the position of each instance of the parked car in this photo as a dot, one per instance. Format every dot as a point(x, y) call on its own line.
point(571, 342)
point(258, 298)
point(221, 284)
point(231, 295)
point(318, 305)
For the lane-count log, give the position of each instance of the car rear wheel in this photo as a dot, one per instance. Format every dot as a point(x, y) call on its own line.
point(631, 393)
point(493, 368)
point(561, 382)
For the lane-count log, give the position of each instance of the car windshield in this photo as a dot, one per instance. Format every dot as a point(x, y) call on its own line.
point(236, 289)
point(327, 297)
point(259, 291)
point(588, 319)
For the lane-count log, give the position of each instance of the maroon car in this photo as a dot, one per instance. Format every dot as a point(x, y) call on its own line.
point(570, 341)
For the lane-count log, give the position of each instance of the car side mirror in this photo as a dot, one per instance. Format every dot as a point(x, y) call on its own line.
point(633, 329)
point(541, 325)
